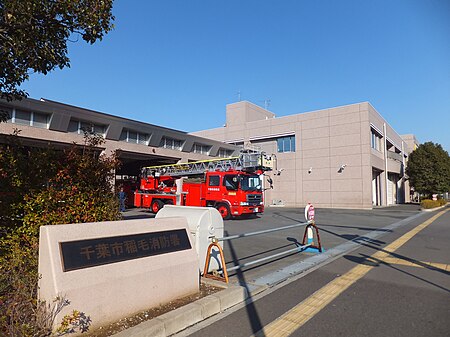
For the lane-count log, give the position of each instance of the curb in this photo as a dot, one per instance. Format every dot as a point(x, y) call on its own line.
point(179, 319)
point(434, 209)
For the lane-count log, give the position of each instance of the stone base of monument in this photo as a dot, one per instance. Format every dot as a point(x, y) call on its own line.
point(110, 270)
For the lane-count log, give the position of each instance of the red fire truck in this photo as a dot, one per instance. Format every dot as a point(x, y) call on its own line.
point(232, 185)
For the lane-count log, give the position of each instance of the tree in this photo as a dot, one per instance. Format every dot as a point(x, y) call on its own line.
point(428, 169)
point(34, 36)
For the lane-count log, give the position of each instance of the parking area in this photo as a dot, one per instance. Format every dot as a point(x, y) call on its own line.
point(336, 227)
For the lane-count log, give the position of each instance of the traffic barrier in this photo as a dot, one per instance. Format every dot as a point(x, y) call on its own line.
point(308, 243)
point(215, 273)
point(308, 238)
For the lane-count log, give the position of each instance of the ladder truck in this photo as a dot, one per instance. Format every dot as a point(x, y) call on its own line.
point(232, 185)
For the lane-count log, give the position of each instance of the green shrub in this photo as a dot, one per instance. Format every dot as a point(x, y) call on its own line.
point(442, 202)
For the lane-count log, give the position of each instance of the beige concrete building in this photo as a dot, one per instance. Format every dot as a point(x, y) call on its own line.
point(137, 144)
point(343, 157)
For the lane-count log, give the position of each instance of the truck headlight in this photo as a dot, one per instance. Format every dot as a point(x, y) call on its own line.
point(244, 203)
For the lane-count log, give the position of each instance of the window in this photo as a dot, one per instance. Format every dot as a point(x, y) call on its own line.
point(286, 144)
point(30, 118)
point(224, 153)
point(214, 180)
point(86, 127)
point(143, 138)
point(200, 148)
point(171, 143)
point(73, 126)
point(231, 182)
point(134, 137)
point(99, 129)
point(22, 117)
point(375, 140)
point(40, 120)
point(250, 182)
point(8, 111)
point(79, 127)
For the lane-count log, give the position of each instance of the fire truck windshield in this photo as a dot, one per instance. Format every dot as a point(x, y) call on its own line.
point(250, 182)
point(246, 182)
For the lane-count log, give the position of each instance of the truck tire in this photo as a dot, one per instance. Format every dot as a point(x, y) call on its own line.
point(224, 210)
point(156, 205)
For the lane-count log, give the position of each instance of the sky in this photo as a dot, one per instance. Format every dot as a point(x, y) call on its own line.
point(178, 63)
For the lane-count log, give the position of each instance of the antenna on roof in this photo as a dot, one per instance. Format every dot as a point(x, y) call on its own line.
point(239, 95)
point(266, 103)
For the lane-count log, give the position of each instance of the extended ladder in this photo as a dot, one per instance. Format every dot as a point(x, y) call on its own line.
point(245, 162)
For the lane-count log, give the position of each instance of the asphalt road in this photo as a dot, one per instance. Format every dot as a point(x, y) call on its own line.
point(375, 288)
point(336, 227)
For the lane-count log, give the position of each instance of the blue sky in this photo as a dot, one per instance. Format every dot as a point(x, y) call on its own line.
point(178, 63)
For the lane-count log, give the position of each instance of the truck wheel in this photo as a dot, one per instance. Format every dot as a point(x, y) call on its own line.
point(224, 210)
point(156, 205)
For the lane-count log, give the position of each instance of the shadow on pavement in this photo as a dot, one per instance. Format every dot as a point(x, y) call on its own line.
point(252, 313)
point(374, 262)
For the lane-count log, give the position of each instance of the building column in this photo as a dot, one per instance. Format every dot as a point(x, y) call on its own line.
point(405, 183)
point(384, 175)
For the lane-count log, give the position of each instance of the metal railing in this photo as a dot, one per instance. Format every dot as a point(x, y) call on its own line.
point(300, 248)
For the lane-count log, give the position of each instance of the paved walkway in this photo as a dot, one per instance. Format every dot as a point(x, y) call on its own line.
point(396, 287)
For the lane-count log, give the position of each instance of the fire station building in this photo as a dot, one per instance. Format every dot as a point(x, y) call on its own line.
point(343, 157)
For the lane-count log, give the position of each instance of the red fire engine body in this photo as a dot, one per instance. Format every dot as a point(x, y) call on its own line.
point(232, 185)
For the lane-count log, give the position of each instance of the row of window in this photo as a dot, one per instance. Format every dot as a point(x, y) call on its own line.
point(134, 137)
point(41, 120)
point(176, 144)
point(251, 182)
point(200, 148)
point(171, 143)
point(80, 128)
point(284, 144)
point(287, 144)
point(38, 120)
point(377, 143)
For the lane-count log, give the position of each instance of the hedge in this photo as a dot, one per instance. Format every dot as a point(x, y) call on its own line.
point(427, 203)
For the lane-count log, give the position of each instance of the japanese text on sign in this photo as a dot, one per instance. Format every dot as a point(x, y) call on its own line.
point(100, 251)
